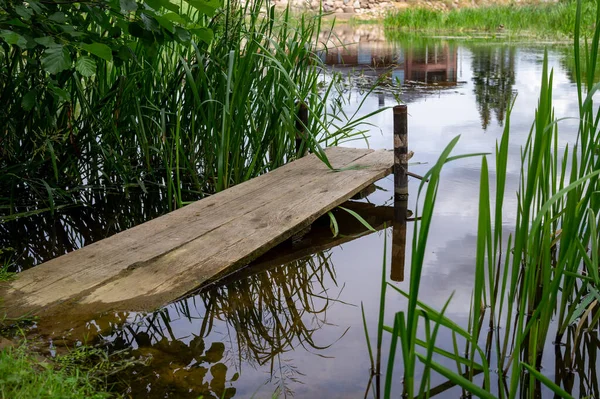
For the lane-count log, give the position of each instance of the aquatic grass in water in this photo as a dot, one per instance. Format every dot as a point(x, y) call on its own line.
point(543, 277)
point(184, 118)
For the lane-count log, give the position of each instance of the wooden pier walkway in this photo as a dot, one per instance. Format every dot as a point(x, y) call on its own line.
point(161, 260)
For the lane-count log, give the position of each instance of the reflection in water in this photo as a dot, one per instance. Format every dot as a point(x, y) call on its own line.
point(577, 360)
point(431, 64)
point(49, 236)
point(568, 63)
point(264, 315)
point(183, 370)
point(494, 78)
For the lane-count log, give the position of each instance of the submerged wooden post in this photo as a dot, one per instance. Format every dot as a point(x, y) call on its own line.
point(400, 191)
point(301, 124)
point(400, 154)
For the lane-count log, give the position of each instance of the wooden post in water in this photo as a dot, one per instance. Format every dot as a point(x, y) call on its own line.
point(301, 124)
point(400, 191)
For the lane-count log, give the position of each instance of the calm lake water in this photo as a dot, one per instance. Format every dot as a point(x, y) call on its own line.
point(297, 328)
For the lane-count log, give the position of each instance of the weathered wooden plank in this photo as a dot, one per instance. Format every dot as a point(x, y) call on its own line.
point(67, 275)
point(158, 261)
point(320, 238)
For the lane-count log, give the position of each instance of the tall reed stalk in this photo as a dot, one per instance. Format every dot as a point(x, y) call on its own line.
point(543, 277)
point(184, 117)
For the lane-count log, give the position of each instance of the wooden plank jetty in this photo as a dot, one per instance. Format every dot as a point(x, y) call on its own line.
point(161, 260)
point(319, 238)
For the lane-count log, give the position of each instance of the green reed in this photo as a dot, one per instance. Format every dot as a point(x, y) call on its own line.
point(543, 276)
point(184, 118)
point(551, 20)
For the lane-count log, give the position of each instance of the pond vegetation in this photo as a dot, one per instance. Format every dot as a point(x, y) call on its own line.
point(167, 103)
point(553, 20)
point(183, 98)
point(534, 291)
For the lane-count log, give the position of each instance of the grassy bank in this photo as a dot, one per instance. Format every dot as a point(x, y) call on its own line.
point(23, 376)
point(555, 20)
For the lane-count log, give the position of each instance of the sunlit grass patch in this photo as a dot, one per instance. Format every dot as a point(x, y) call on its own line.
point(554, 20)
point(22, 375)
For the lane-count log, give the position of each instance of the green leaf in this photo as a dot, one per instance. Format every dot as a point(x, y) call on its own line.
point(16, 22)
point(204, 34)
point(182, 34)
point(174, 17)
point(46, 41)
point(58, 17)
point(149, 22)
point(165, 23)
point(99, 50)
point(128, 6)
point(36, 6)
point(24, 12)
point(60, 94)
point(56, 59)
point(206, 7)
point(333, 224)
point(86, 66)
point(170, 6)
point(28, 101)
point(13, 38)
point(154, 4)
point(71, 31)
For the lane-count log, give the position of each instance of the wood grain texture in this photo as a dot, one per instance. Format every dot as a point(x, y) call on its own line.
point(161, 260)
point(320, 238)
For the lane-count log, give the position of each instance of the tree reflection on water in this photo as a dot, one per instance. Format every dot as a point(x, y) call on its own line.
point(494, 78)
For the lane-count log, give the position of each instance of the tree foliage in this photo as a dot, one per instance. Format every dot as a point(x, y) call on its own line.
point(60, 33)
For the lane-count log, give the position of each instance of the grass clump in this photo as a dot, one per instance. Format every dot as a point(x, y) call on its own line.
point(183, 98)
point(24, 376)
point(5, 273)
point(5, 266)
point(555, 20)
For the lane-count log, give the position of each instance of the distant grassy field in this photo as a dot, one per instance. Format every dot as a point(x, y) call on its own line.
point(555, 20)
